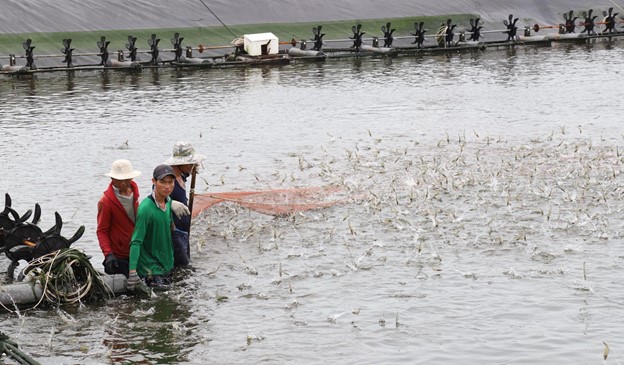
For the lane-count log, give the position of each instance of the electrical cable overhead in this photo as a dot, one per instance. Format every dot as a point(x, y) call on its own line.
point(215, 15)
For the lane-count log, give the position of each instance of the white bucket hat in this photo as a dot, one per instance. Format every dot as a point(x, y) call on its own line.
point(184, 154)
point(122, 170)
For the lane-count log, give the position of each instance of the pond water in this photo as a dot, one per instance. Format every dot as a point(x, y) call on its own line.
point(484, 221)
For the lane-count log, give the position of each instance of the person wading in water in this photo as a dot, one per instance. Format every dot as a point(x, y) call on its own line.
point(151, 248)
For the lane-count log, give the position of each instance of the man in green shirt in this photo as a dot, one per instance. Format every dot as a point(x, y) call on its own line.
point(151, 249)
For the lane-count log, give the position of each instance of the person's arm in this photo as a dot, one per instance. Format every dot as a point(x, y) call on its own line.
point(138, 237)
point(103, 228)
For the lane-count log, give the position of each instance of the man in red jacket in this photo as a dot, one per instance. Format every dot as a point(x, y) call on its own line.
point(116, 215)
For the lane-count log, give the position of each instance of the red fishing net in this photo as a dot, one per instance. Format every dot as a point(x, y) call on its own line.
point(280, 202)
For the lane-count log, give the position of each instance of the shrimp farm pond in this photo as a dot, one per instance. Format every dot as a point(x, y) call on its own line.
point(480, 217)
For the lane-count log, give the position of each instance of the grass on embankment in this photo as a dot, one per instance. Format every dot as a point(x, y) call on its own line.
point(83, 42)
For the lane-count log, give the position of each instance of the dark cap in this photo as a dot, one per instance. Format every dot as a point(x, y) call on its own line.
point(161, 171)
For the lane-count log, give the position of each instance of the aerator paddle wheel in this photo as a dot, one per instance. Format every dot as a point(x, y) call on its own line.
point(22, 240)
point(357, 37)
point(589, 22)
point(177, 46)
point(9, 219)
point(387, 31)
point(512, 29)
point(132, 49)
point(419, 33)
point(30, 58)
point(153, 43)
point(318, 38)
point(68, 51)
point(609, 21)
point(102, 45)
point(570, 22)
point(475, 29)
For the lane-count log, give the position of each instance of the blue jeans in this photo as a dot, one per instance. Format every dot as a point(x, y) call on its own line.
point(181, 247)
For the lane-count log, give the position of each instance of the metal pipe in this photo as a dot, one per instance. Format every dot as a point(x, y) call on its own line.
point(199, 48)
point(404, 37)
point(492, 31)
point(202, 47)
point(348, 40)
point(56, 55)
point(29, 293)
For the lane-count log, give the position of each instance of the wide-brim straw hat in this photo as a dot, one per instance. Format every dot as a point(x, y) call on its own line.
point(122, 170)
point(184, 154)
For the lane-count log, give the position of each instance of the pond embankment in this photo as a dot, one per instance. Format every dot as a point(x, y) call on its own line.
point(93, 15)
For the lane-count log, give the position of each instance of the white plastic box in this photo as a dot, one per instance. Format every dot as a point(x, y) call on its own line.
point(261, 44)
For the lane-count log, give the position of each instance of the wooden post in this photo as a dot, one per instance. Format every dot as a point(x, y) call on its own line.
point(190, 206)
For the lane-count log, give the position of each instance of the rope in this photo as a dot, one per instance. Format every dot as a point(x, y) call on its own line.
point(215, 15)
point(67, 276)
point(7, 309)
point(45, 287)
point(11, 349)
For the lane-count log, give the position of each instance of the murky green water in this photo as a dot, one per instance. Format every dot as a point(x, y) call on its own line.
point(482, 184)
